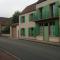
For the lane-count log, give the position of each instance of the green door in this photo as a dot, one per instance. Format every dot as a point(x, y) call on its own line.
point(46, 33)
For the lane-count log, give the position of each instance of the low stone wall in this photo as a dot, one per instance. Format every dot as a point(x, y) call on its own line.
point(54, 39)
point(5, 35)
point(39, 38)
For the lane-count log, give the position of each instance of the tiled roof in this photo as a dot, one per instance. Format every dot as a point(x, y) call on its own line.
point(31, 7)
point(4, 20)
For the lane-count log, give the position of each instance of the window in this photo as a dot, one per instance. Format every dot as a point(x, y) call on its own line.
point(40, 12)
point(22, 32)
point(52, 9)
point(22, 19)
point(31, 17)
point(31, 30)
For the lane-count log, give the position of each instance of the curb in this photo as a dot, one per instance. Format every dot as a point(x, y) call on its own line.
point(42, 42)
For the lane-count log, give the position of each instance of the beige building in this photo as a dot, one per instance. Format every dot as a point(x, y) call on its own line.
point(41, 21)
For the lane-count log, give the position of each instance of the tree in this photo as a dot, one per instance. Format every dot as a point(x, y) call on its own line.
point(15, 17)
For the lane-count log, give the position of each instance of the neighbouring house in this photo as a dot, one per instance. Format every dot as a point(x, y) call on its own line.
point(3, 23)
point(14, 30)
point(41, 21)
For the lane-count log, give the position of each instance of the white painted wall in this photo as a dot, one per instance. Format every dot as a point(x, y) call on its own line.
point(27, 23)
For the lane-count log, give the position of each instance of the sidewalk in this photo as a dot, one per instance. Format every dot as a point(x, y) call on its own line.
point(43, 42)
point(4, 56)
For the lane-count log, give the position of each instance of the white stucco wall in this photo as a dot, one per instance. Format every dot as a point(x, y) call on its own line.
point(27, 24)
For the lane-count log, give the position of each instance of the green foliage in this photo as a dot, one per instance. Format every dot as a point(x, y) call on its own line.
point(15, 17)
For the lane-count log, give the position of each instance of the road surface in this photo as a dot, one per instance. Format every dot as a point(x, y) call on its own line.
point(5, 56)
point(26, 50)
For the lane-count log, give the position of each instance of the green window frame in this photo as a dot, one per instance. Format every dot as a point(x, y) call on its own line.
point(31, 17)
point(31, 31)
point(52, 6)
point(40, 12)
point(22, 19)
point(23, 32)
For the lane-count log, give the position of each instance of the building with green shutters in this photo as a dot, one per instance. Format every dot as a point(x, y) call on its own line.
point(41, 21)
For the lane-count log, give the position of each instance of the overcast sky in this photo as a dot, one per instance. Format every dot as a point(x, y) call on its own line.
point(8, 7)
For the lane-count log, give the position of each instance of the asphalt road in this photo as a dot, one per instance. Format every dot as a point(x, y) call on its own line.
point(26, 50)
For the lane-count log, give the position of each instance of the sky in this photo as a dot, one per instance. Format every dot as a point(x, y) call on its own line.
point(8, 7)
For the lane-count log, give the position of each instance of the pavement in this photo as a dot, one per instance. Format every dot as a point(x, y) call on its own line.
point(5, 56)
point(27, 50)
point(43, 42)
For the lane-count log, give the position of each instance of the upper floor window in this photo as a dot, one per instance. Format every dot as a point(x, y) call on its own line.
point(52, 9)
point(40, 12)
point(22, 19)
point(31, 17)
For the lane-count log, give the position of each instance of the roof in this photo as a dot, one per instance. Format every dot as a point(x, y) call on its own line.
point(31, 7)
point(40, 1)
point(4, 20)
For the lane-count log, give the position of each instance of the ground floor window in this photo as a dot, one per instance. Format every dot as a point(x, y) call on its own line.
point(22, 32)
point(31, 31)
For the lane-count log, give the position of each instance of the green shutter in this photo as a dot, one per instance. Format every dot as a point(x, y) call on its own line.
point(56, 28)
point(56, 10)
point(37, 30)
point(34, 32)
point(45, 12)
point(23, 32)
point(38, 15)
point(35, 16)
point(31, 17)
